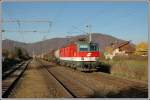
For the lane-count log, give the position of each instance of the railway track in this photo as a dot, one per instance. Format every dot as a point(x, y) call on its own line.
point(8, 72)
point(75, 88)
point(102, 84)
point(56, 79)
point(10, 78)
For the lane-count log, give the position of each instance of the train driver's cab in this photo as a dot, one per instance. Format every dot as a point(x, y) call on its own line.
point(88, 47)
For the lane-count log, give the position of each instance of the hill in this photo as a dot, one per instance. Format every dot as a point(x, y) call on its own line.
point(54, 43)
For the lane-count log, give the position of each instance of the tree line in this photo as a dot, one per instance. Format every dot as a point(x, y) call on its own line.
point(17, 53)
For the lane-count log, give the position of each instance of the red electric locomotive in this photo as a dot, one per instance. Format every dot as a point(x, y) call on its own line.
point(79, 55)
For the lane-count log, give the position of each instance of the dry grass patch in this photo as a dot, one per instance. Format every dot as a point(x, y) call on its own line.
point(129, 68)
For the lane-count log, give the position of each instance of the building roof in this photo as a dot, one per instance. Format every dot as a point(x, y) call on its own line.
point(121, 44)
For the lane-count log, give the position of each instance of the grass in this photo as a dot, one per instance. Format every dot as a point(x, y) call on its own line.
point(129, 68)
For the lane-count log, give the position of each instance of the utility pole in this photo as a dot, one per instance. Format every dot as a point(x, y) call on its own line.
point(19, 22)
point(89, 33)
point(33, 55)
point(44, 47)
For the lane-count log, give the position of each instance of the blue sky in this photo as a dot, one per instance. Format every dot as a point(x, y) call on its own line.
point(124, 20)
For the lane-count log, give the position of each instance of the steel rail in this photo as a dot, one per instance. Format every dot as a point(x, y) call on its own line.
point(70, 92)
point(7, 88)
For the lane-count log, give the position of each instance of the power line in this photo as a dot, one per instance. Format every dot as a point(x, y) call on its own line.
point(78, 29)
point(25, 31)
point(27, 21)
point(19, 22)
point(101, 12)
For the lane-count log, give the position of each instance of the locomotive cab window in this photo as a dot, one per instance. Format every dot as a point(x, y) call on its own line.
point(83, 47)
point(93, 47)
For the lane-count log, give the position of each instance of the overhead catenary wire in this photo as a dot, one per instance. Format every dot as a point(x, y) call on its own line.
point(20, 23)
point(89, 33)
point(78, 29)
point(24, 31)
point(101, 12)
point(21, 31)
point(26, 21)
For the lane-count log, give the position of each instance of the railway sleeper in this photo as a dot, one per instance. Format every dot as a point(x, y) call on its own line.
point(9, 83)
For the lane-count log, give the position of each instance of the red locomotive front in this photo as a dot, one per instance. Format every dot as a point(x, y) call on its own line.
point(80, 51)
point(79, 54)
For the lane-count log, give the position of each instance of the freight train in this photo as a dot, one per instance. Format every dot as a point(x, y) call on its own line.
point(80, 55)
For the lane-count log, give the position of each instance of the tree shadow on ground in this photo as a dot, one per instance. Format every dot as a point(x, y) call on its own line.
point(127, 93)
point(8, 64)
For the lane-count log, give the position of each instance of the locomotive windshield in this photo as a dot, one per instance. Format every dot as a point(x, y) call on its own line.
point(84, 47)
point(93, 47)
point(88, 47)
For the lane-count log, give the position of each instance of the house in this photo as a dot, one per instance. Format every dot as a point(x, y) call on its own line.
point(123, 49)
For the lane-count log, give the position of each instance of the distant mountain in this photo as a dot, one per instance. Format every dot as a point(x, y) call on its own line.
point(55, 43)
point(9, 44)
